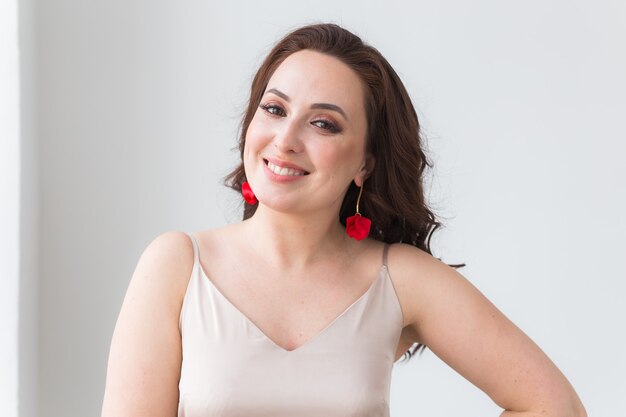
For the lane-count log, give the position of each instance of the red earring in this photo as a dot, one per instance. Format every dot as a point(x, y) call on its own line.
point(248, 194)
point(357, 226)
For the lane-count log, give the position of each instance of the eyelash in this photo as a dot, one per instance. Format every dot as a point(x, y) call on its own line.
point(330, 126)
point(268, 107)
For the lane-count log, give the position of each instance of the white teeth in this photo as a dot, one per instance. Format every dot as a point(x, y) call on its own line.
point(284, 170)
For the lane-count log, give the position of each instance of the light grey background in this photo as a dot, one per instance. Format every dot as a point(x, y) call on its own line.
point(131, 110)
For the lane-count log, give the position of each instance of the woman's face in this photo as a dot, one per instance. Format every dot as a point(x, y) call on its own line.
point(306, 141)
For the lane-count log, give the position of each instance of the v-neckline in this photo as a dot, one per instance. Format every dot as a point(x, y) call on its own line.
point(381, 272)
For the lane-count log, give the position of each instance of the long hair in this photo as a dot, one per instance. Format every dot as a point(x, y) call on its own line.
point(393, 196)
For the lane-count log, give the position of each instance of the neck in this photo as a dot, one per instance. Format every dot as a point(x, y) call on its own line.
point(296, 241)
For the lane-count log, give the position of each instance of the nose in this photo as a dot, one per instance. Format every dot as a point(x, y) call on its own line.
point(287, 138)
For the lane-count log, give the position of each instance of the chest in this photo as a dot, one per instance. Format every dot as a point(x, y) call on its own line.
point(290, 309)
point(231, 368)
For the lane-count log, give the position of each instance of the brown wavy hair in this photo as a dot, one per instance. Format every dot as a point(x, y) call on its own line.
point(393, 196)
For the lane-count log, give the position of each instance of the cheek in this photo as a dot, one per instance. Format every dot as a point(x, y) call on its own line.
point(252, 139)
point(257, 133)
point(343, 156)
point(339, 162)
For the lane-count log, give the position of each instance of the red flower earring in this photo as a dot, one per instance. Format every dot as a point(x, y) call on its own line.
point(247, 193)
point(357, 226)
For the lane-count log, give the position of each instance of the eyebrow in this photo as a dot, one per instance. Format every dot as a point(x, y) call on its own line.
point(324, 106)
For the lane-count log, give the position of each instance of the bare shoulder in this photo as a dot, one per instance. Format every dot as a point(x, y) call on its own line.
point(462, 327)
point(145, 354)
point(417, 275)
point(166, 264)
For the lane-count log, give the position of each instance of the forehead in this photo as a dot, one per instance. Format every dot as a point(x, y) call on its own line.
point(313, 76)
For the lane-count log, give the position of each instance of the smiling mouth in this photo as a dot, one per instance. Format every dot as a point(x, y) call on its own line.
point(284, 171)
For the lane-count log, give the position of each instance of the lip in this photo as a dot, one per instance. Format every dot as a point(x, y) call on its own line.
point(284, 164)
point(282, 178)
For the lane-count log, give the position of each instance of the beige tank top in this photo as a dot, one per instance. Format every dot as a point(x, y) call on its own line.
point(230, 368)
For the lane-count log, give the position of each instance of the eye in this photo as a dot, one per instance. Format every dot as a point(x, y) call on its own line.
point(326, 125)
point(273, 109)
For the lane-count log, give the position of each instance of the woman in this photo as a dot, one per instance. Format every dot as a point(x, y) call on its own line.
point(304, 306)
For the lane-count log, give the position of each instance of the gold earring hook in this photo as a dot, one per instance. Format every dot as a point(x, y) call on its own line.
point(358, 199)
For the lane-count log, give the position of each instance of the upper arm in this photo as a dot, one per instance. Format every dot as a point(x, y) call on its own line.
point(462, 327)
point(145, 356)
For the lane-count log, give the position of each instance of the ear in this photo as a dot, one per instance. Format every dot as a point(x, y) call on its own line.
point(365, 170)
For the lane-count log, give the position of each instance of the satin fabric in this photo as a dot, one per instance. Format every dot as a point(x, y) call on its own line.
point(230, 368)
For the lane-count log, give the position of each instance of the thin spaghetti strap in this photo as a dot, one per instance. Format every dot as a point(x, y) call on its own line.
point(385, 250)
point(196, 258)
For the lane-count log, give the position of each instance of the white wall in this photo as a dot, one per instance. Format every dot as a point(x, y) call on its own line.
point(28, 363)
point(18, 213)
point(138, 106)
point(9, 208)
